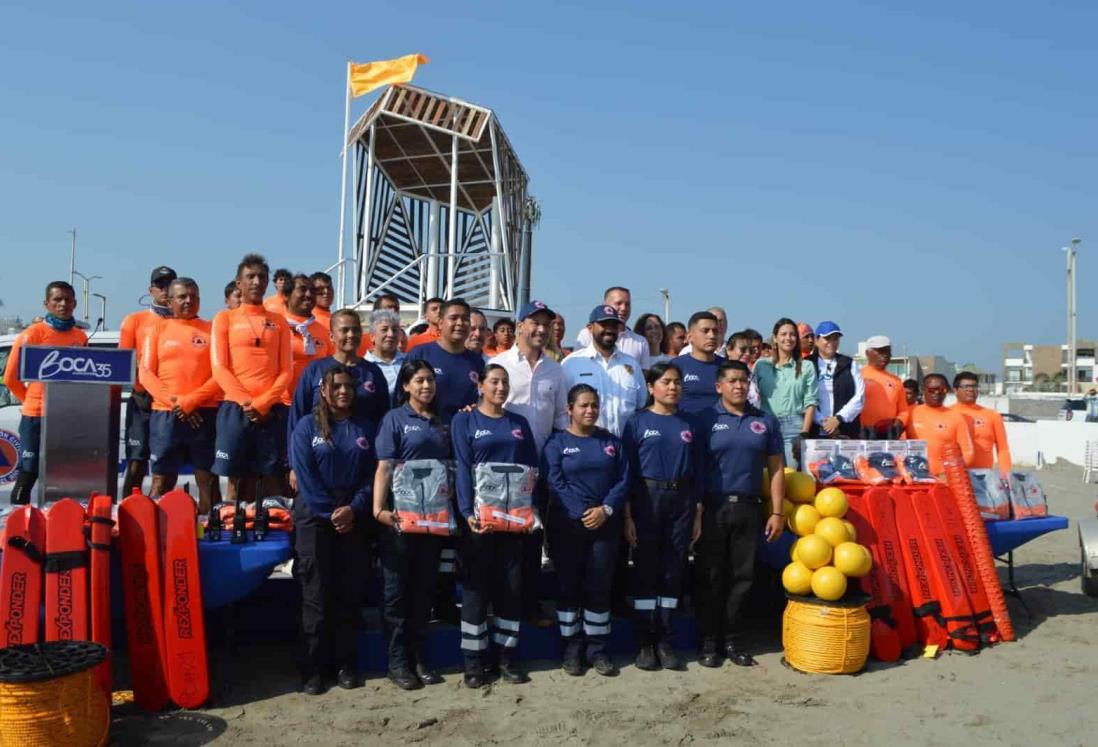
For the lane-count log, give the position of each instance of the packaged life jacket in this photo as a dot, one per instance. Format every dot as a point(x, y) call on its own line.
point(1026, 496)
point(878, 468)
point(421, 497)
point(504, 497)
point(279, 514)
point(993, 493)
point(833, 469)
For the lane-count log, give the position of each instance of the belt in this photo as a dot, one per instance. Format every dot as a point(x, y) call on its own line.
point(667, 484)
point(735, 498)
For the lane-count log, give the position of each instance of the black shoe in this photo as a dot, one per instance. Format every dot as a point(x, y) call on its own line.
point(572, 665)
point(710, 656)
point(475, 676)
point(512, 672)
point(428, 676)
point(347, 679)
point(669, 659)
point(314, 686)
point(604, 666)
point(404, 679)
point(646, 658)
point(738, 657)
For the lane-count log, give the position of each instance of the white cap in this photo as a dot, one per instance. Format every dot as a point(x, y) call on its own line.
point(878, 341)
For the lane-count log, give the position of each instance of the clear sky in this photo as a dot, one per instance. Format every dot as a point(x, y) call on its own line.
point(908, 172)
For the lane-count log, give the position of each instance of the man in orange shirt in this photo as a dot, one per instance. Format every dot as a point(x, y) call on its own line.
point(177, 373)
point(432, 312)
point(503, 331)
point(252, 364)
point(309, 341)
point(985, 426)
point(324, 294)
point(57, 328)
point(807, 339)
point(131, 336)
point(885, 410)
point(276, 302)
point(938, 425)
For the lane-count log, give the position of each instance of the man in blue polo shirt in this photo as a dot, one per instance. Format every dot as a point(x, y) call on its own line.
point(457, 370)
point(699, 366)
point(738, 440)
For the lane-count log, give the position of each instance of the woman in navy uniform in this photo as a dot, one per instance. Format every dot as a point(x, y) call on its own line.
point(491, 561)
point(663, 515)
point(587, 474)
point(409, 562)
point(333, 452)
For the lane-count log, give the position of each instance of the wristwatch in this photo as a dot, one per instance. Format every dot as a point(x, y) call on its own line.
point(608, 509)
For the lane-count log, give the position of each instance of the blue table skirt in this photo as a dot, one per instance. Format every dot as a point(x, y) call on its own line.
point(232, 572)
point(1004, 536)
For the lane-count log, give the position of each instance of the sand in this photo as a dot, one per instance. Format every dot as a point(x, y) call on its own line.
point(1038, 690)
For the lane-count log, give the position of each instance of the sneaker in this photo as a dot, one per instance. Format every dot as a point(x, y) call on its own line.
point(646, 658)
point(604, 665)
point(669, 659)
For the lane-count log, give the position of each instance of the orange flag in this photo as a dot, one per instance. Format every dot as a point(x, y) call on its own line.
point(367, 76)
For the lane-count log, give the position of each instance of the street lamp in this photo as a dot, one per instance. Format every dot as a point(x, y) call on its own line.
point(666, 305)
point(102, 309)
point(1072, 370)
point(87, 285)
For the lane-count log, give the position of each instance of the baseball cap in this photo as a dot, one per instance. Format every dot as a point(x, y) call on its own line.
point(804, 328)
point(162, 274)
point(826, 329)
point(877, 342)
point(603, 313)
point(533, 307)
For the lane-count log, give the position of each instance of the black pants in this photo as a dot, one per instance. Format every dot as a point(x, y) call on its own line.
point(531, 572)
point(584, 560)
point(331, 569)
point(726, 556)
point(663, 518)
point(491, 566)
point(409, 563)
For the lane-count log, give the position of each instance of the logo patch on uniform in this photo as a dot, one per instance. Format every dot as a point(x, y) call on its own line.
point(570, 450)
point(517, 433)
point(687, 437)
point(9, 456)
point(757, 426)
point(690, 377)
point(362, 443)
point(410, 428)
point(268, 324)
point(977, 422)
point(369, 386)
point(610, 450)
point(720, 427)
point(481, 432)
point(199, 341)
point(650, 433)
point(474, 377)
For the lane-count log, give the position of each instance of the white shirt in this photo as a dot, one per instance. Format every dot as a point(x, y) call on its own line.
point(629, 342)
point(824, 377)
point(390, 368)
point(539, 394)
point(619, 382)
point(719, 352)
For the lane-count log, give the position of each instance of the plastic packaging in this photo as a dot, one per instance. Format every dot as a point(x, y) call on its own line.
point(1027, 497)
point(993, 493)
point(504, 499)
point(422, 489)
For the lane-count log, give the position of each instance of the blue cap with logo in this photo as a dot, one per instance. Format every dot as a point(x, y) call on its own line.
point(826, 329)
point(603, 313)
point(533, 307)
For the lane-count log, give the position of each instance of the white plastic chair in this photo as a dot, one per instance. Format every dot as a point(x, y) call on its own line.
point(1091, 461)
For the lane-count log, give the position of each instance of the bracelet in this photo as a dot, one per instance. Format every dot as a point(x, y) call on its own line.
point(777, 514)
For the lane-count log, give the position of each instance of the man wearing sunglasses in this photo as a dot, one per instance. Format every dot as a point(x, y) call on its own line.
point(938, 425)
point(131, 336)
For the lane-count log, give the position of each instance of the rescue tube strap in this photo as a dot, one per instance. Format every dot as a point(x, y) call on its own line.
point(100, 546)
point(27, 547)
point(58, 562)
point(969, 633)
point(101, 520)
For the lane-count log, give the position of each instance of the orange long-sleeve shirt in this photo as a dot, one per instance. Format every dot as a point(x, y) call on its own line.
point(39, 333)
point(131, 336)
point(988, 436)
point(323, 318)
point(251, 356)
point(322, 349)
point(939, 426)
point(275, 303)
point(175, 362)
point(428, 335)
point(884, 397)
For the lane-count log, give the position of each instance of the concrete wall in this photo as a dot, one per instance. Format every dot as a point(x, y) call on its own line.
point(1053, 439)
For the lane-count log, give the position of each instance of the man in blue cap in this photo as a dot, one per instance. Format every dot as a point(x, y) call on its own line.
point(841, 386)
point(617, 377)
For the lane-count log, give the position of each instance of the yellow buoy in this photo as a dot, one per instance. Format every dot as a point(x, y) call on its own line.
point(813, 551)
point(797, 578)
point(831, 502)
point(853, 559)
point(804, 519)
point(832, 530)
point(828, 583)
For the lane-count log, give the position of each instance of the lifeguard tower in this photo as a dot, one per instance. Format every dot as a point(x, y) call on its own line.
point(440, 206)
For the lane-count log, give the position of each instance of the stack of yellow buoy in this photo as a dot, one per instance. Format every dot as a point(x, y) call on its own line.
point(829, 639)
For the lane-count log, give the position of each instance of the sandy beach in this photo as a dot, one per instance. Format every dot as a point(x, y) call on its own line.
point(1036, 690)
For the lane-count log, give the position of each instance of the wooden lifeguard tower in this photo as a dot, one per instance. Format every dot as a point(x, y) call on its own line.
point(440, 205)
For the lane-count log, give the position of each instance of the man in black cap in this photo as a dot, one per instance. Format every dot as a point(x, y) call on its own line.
point(139, 409)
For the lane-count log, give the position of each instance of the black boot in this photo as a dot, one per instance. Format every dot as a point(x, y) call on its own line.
point(427, 675)
point(475, 675)
point(511, 671)
point(573, 661)
point(669, 659)
point(710, 655)
point(404, 678)
point(314, 685)
point(646, 657)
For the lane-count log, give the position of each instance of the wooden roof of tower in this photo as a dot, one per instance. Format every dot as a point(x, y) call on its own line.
point(414, 131)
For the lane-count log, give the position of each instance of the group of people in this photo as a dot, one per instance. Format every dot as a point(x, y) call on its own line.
point(647, 442)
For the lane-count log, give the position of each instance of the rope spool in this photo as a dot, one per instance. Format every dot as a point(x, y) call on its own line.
point(49, 696)
point(825, 639)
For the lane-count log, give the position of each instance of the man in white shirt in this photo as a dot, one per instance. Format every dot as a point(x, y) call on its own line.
point(722, 330)
point(629, 342)
point(539, 388)
point(842, 388)
point(617, 377)
point(385, 333)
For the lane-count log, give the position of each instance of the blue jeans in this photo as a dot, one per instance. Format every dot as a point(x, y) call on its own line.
point(791, 431)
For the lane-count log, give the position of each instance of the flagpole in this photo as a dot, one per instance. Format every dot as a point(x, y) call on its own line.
point(342, 274)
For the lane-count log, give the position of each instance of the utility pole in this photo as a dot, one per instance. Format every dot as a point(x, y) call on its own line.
point(666, 305)
point(72, 258)
point(1072, 370)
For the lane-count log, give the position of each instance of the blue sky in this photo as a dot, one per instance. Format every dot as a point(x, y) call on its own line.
point(908, 172)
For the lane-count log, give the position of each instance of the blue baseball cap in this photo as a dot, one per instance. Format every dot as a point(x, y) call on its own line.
point(533, 307)
point(826, 329)
point(603, 313)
